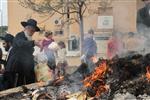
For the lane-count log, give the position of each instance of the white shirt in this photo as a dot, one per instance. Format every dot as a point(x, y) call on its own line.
point(8, 53)
point(61, 55)
point(27, 36)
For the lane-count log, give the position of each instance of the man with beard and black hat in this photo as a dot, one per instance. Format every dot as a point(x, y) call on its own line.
point(22, 61)
point(8, 75)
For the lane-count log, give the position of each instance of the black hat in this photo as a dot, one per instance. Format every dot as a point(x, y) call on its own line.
point(31, 22)
point(7, 38)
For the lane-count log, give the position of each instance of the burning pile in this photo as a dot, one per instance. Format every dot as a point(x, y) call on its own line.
point(129, 78)
point(148, 73)
point(95, 82)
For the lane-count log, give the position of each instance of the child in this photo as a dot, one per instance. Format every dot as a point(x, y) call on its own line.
point(61, 59)
point(49, 52)
point(47, 40)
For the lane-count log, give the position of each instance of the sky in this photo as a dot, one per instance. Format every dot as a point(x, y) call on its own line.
point(3, 12)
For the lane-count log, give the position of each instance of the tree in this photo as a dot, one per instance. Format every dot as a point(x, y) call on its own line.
point(3, 30)
point(63, 7)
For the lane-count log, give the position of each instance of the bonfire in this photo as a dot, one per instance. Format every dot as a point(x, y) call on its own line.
point(115, 79)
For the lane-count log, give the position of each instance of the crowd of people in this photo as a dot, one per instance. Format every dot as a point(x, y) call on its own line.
point(19, 63)
point(22, 67)
point(126, 45)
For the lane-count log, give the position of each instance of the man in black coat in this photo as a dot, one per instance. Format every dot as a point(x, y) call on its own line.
point(22, 61)
point(143, 14)
point(8, 75)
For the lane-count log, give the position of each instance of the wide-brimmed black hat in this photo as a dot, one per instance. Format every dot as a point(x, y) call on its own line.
point(7, 38)
point(31, 22)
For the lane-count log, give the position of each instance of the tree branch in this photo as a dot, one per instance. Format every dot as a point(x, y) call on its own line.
point(84, 9)
point(47, 18)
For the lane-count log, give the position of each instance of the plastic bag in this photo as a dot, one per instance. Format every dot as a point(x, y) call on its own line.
point(43, 73)
point(41, 57)
point(53, 46)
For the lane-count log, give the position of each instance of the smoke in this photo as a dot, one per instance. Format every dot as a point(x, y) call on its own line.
point(144, 32)
point(128, 45)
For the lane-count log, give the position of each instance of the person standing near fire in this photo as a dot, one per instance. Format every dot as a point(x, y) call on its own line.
point(8, 80)
point(61, 59)
point(115, 45)
point(90, 50)
point(22, 61)
point(132, 44)
point(50, 54)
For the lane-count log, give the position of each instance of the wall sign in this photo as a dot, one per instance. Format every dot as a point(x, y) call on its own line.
point(105, 22)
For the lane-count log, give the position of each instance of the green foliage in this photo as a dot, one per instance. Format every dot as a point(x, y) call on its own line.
point(3, 30)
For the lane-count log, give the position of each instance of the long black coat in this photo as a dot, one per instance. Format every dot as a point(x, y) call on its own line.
point(22, 59)
point(143, 16)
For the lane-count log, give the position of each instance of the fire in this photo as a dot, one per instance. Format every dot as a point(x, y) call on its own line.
point(148, 73)
point(94, 59)
point(95, 80)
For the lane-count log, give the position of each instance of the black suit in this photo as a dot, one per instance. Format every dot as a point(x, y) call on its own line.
point(22, 61)
point(8, 76)
point(143, 16)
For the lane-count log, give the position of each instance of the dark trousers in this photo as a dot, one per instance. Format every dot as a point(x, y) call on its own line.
point(25, 78)
point(25, 71)
point(8, 80)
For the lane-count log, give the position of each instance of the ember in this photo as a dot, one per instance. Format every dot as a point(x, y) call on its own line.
point(115, 79)
point(95, 82)
point(148, 73)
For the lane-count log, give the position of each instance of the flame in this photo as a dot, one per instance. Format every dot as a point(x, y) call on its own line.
point(102, 89)
point(148, 73)
point(97, 75)
point(94, 59)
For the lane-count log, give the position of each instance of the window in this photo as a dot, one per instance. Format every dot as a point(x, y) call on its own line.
point(59, 32)
point(73, 46)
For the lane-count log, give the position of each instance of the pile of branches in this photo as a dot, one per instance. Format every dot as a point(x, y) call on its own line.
point(129, 75)
point(125, 75)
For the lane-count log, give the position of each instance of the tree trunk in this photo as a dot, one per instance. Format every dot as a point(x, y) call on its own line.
point(81, 32)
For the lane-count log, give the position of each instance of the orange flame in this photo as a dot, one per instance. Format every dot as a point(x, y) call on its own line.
point(97, 75)
point(148, 73)
point(94, 59)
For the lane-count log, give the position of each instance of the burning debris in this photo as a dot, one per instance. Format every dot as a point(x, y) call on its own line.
point(148, 73)
point(95, 82)
point(115, 79)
